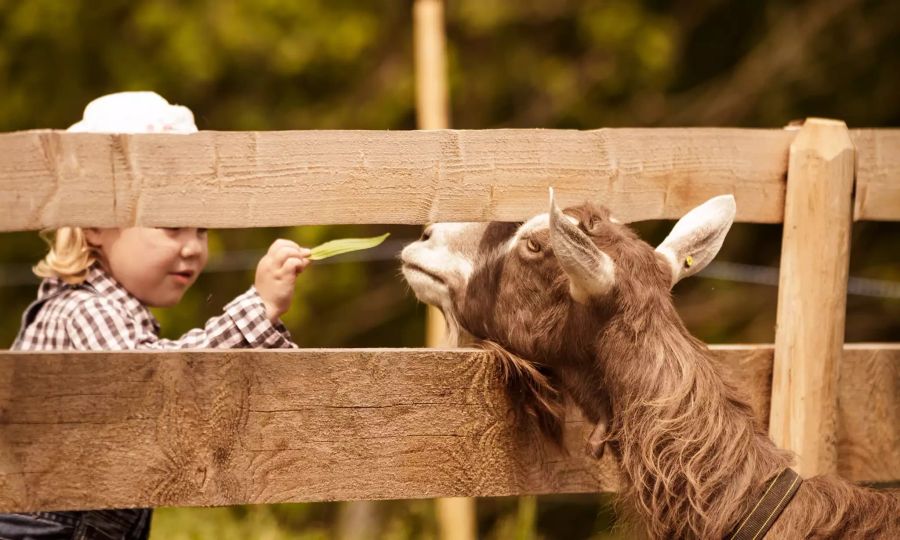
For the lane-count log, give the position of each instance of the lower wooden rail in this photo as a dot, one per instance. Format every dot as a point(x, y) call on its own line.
point(126, 429)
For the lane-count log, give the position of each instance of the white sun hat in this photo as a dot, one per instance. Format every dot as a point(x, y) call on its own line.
point(135, 112)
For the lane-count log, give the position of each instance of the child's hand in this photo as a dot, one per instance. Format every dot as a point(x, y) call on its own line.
point(276, 273)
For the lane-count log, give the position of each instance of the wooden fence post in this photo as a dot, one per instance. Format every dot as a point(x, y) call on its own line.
point(455, 515)
point(432, 105)
point(812, 294)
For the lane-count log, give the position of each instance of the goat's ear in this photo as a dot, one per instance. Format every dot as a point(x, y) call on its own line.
point(591, 272)
point(697, 237)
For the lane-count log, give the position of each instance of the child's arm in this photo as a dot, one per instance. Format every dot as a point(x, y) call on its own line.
point(99, 324)
point(249, 321)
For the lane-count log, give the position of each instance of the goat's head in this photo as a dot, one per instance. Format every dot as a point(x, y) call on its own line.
point(545, 288)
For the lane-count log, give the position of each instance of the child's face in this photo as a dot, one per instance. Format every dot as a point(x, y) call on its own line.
point(155, 265)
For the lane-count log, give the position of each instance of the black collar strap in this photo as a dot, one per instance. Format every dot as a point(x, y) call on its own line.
point(755, 524)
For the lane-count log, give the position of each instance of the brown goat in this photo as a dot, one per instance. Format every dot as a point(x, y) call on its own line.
point(588, 305)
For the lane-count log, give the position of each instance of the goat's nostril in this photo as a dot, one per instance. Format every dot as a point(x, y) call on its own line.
point(426, 234)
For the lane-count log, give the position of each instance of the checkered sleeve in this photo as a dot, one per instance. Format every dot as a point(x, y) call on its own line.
point(248, 315)
point(98, 325)
point(103, 326)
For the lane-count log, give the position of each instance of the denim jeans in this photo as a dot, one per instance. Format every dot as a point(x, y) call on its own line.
point(91, 525)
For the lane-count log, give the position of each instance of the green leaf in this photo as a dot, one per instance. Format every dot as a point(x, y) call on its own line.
point(345, 245)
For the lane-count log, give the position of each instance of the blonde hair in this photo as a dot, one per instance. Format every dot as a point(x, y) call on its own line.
point(69, 257)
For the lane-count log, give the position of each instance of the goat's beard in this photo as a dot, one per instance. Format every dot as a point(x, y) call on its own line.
point(456, 335)
point(533, 390)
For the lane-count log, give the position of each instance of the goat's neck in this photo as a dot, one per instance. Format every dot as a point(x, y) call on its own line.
point(686, 440)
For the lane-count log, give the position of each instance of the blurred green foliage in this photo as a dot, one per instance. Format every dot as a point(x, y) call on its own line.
point(341, 64)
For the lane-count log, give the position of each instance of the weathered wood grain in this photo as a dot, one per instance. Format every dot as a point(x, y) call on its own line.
point(92, 430)
point(252, 179)
point(877, 174)
point(812, 294)
point(868, 433)
point(455, 516)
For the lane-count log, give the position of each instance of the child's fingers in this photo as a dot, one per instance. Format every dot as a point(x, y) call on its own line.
point(297, 265)
point(281, 243)
point(291, 268)
point(285, 252)
point(291, 265)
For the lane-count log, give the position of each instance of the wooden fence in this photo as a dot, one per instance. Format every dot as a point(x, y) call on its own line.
point(122, 429)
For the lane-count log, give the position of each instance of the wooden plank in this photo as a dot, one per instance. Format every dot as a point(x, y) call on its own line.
point(433, 112)
point(455, 516)
point(812, 294)
point(868, 433)
point(877, 174)
point(254, 179)
point(213, 428)
point(93, 430)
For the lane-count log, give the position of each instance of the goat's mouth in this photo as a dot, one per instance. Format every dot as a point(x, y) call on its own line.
point(412, 267)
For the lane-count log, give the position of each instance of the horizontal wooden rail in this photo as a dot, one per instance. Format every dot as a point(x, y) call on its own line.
point(877, 174)
point(93, 430)
point(51, 178)
point(254, 179)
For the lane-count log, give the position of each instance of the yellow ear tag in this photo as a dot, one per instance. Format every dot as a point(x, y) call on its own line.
point(688, 261)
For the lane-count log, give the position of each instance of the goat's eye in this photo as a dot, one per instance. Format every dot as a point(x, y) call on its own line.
point(426, 234)
point(533, 246)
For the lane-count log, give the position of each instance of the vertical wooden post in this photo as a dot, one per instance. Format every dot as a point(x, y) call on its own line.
point(432, 104)
point(359, 520)
point(456, 515)
point(812, 294)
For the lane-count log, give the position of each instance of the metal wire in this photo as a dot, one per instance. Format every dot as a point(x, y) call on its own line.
point(19, 275)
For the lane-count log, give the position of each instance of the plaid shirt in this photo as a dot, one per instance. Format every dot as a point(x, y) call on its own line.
point(100, 314)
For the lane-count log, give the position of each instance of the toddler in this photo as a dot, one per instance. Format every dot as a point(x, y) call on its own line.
point(98, 284)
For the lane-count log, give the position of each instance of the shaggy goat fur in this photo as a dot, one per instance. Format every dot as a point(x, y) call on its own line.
point(693, 457)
